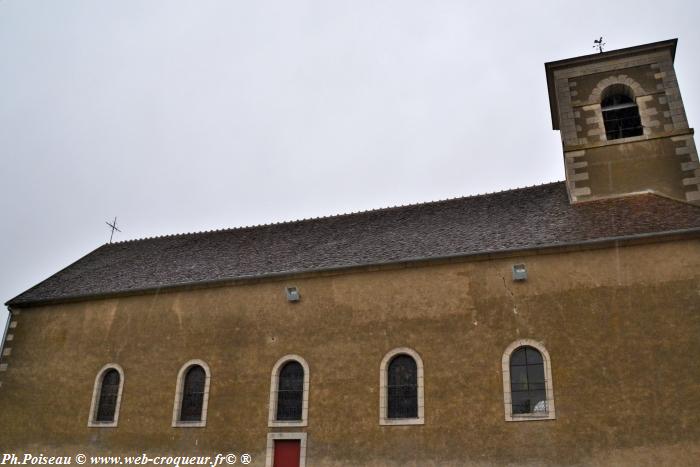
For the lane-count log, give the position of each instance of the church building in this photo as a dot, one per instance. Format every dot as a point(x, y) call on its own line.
point(552, 325)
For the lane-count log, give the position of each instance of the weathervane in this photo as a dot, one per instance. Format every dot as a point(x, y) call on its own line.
point(113, 225)
point(599, 44)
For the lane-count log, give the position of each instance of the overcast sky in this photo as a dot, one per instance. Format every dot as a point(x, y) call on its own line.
point(186, 116)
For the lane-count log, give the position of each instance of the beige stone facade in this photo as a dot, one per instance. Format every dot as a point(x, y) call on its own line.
point(620, 325)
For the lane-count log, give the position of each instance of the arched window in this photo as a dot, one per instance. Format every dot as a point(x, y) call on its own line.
point(527, 389)
point(106, 396)
point(620, 113)
point(527, 381)
point(192, 395)
point(401, 388)
point(289, 392)
point(109, 390)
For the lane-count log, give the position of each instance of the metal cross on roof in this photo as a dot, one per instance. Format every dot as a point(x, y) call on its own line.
point(113, 225)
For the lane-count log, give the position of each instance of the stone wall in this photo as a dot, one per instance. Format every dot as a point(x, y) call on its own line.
point(621, 326)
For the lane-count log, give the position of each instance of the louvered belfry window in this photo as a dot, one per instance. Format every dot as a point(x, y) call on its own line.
point(290, 391)
point(402, 388)
point(109, 392)
point(527, 382)
point(621, 117)
point(193, 394)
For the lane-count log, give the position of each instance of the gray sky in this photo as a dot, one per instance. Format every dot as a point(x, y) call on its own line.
point(187, 116)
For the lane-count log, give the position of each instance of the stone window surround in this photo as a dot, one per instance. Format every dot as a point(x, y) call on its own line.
point(179, 388)
point(383, 403)
point(96, 391)
point(549, 387)
point(274, 384)
point(638, 96)
point(270, 451)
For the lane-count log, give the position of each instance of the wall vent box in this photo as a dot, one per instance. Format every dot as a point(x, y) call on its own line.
point(519, 272)
point(292, 294)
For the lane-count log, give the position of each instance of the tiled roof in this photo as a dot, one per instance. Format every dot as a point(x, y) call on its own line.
point(524, 218)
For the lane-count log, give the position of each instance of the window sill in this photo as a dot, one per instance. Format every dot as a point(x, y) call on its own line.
point(655, 135)
point(93, 424)
point(289, 423)
point(401, 421)
point(181, 424)
point(529, 417)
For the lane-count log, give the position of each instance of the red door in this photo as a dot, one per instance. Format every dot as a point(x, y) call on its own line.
point(287, 453)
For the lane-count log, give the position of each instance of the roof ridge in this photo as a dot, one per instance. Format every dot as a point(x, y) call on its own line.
point(334, 216)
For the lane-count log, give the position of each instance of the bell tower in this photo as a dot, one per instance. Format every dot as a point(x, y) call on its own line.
point(623, 124)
